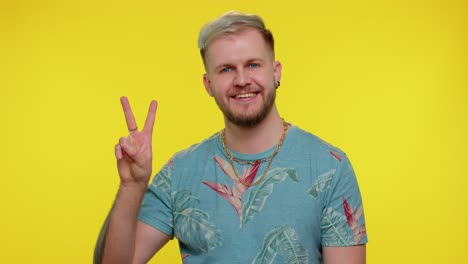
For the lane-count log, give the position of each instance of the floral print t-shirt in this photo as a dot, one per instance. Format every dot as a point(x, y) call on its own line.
point(308, 198)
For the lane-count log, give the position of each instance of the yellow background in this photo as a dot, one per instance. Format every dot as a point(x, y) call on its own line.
point(386, 81)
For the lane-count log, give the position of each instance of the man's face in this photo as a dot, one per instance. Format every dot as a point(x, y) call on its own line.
point(241, 76)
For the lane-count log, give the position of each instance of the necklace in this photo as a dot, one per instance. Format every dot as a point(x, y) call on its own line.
point(270, 159)
point(249, 162)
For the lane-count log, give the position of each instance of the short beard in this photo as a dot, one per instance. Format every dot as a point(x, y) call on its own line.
point(248, 122)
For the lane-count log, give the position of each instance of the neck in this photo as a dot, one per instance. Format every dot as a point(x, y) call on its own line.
point(256, 139)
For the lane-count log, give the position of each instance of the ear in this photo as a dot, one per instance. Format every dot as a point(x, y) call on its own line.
point(207, 84)
point(277, 70)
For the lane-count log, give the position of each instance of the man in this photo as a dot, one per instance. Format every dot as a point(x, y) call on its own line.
point(259, 191)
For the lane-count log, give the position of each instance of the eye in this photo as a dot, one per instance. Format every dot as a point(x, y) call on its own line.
point(253, 65)
point(225, 69)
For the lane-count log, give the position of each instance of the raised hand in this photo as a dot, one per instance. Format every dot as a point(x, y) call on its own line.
point(133, 153)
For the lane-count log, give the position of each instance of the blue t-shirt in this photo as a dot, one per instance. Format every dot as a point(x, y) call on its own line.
point(309, 198)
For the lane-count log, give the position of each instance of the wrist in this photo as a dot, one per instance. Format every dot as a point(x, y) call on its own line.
point(132, 192)
point(133, 186)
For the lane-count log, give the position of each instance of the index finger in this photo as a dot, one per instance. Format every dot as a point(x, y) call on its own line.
point(149, 123)
point(131, 123)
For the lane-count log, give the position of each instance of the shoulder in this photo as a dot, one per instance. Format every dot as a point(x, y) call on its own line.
point(197, 151)
point(310, 145)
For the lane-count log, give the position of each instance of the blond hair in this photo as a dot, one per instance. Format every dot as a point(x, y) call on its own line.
point(230, 23)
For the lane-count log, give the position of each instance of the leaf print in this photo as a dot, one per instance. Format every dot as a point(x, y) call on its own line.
point(293, 251)
point(360, 234)
point(282, 239)
point(333, 226)
point(195, 231)
point(336, 155)
point(182, 200)
point(163, 179)
point(248, 175)
point(227, 194)
point(321, 184)
point(270, 247)
point(192, 226)
point(353, 218)
point(259, 196)
point(292, 174)
point(226, 167)
point(234, 195)
point(170, 162)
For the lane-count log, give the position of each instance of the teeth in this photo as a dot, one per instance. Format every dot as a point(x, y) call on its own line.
point(247, 95)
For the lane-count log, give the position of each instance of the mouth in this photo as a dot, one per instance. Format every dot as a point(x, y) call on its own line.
point(244, 96)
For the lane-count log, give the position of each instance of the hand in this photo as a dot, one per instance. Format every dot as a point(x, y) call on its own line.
point(133, 153)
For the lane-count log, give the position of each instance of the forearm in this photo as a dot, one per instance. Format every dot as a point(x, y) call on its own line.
point(117, 241)
point(119, 245)
point(350, 254)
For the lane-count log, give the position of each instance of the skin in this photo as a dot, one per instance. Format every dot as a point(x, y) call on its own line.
point(243, 64)
point(127, 239)
point(236, 64)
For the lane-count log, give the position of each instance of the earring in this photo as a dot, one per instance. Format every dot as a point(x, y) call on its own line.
point(278, 84)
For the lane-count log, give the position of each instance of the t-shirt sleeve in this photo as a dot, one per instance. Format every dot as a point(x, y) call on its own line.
point(156, 208)
point(342, 221)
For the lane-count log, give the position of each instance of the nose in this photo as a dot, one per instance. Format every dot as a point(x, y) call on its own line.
point(242, 78)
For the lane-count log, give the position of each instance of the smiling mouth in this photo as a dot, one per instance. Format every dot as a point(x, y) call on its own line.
point(245, 95)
